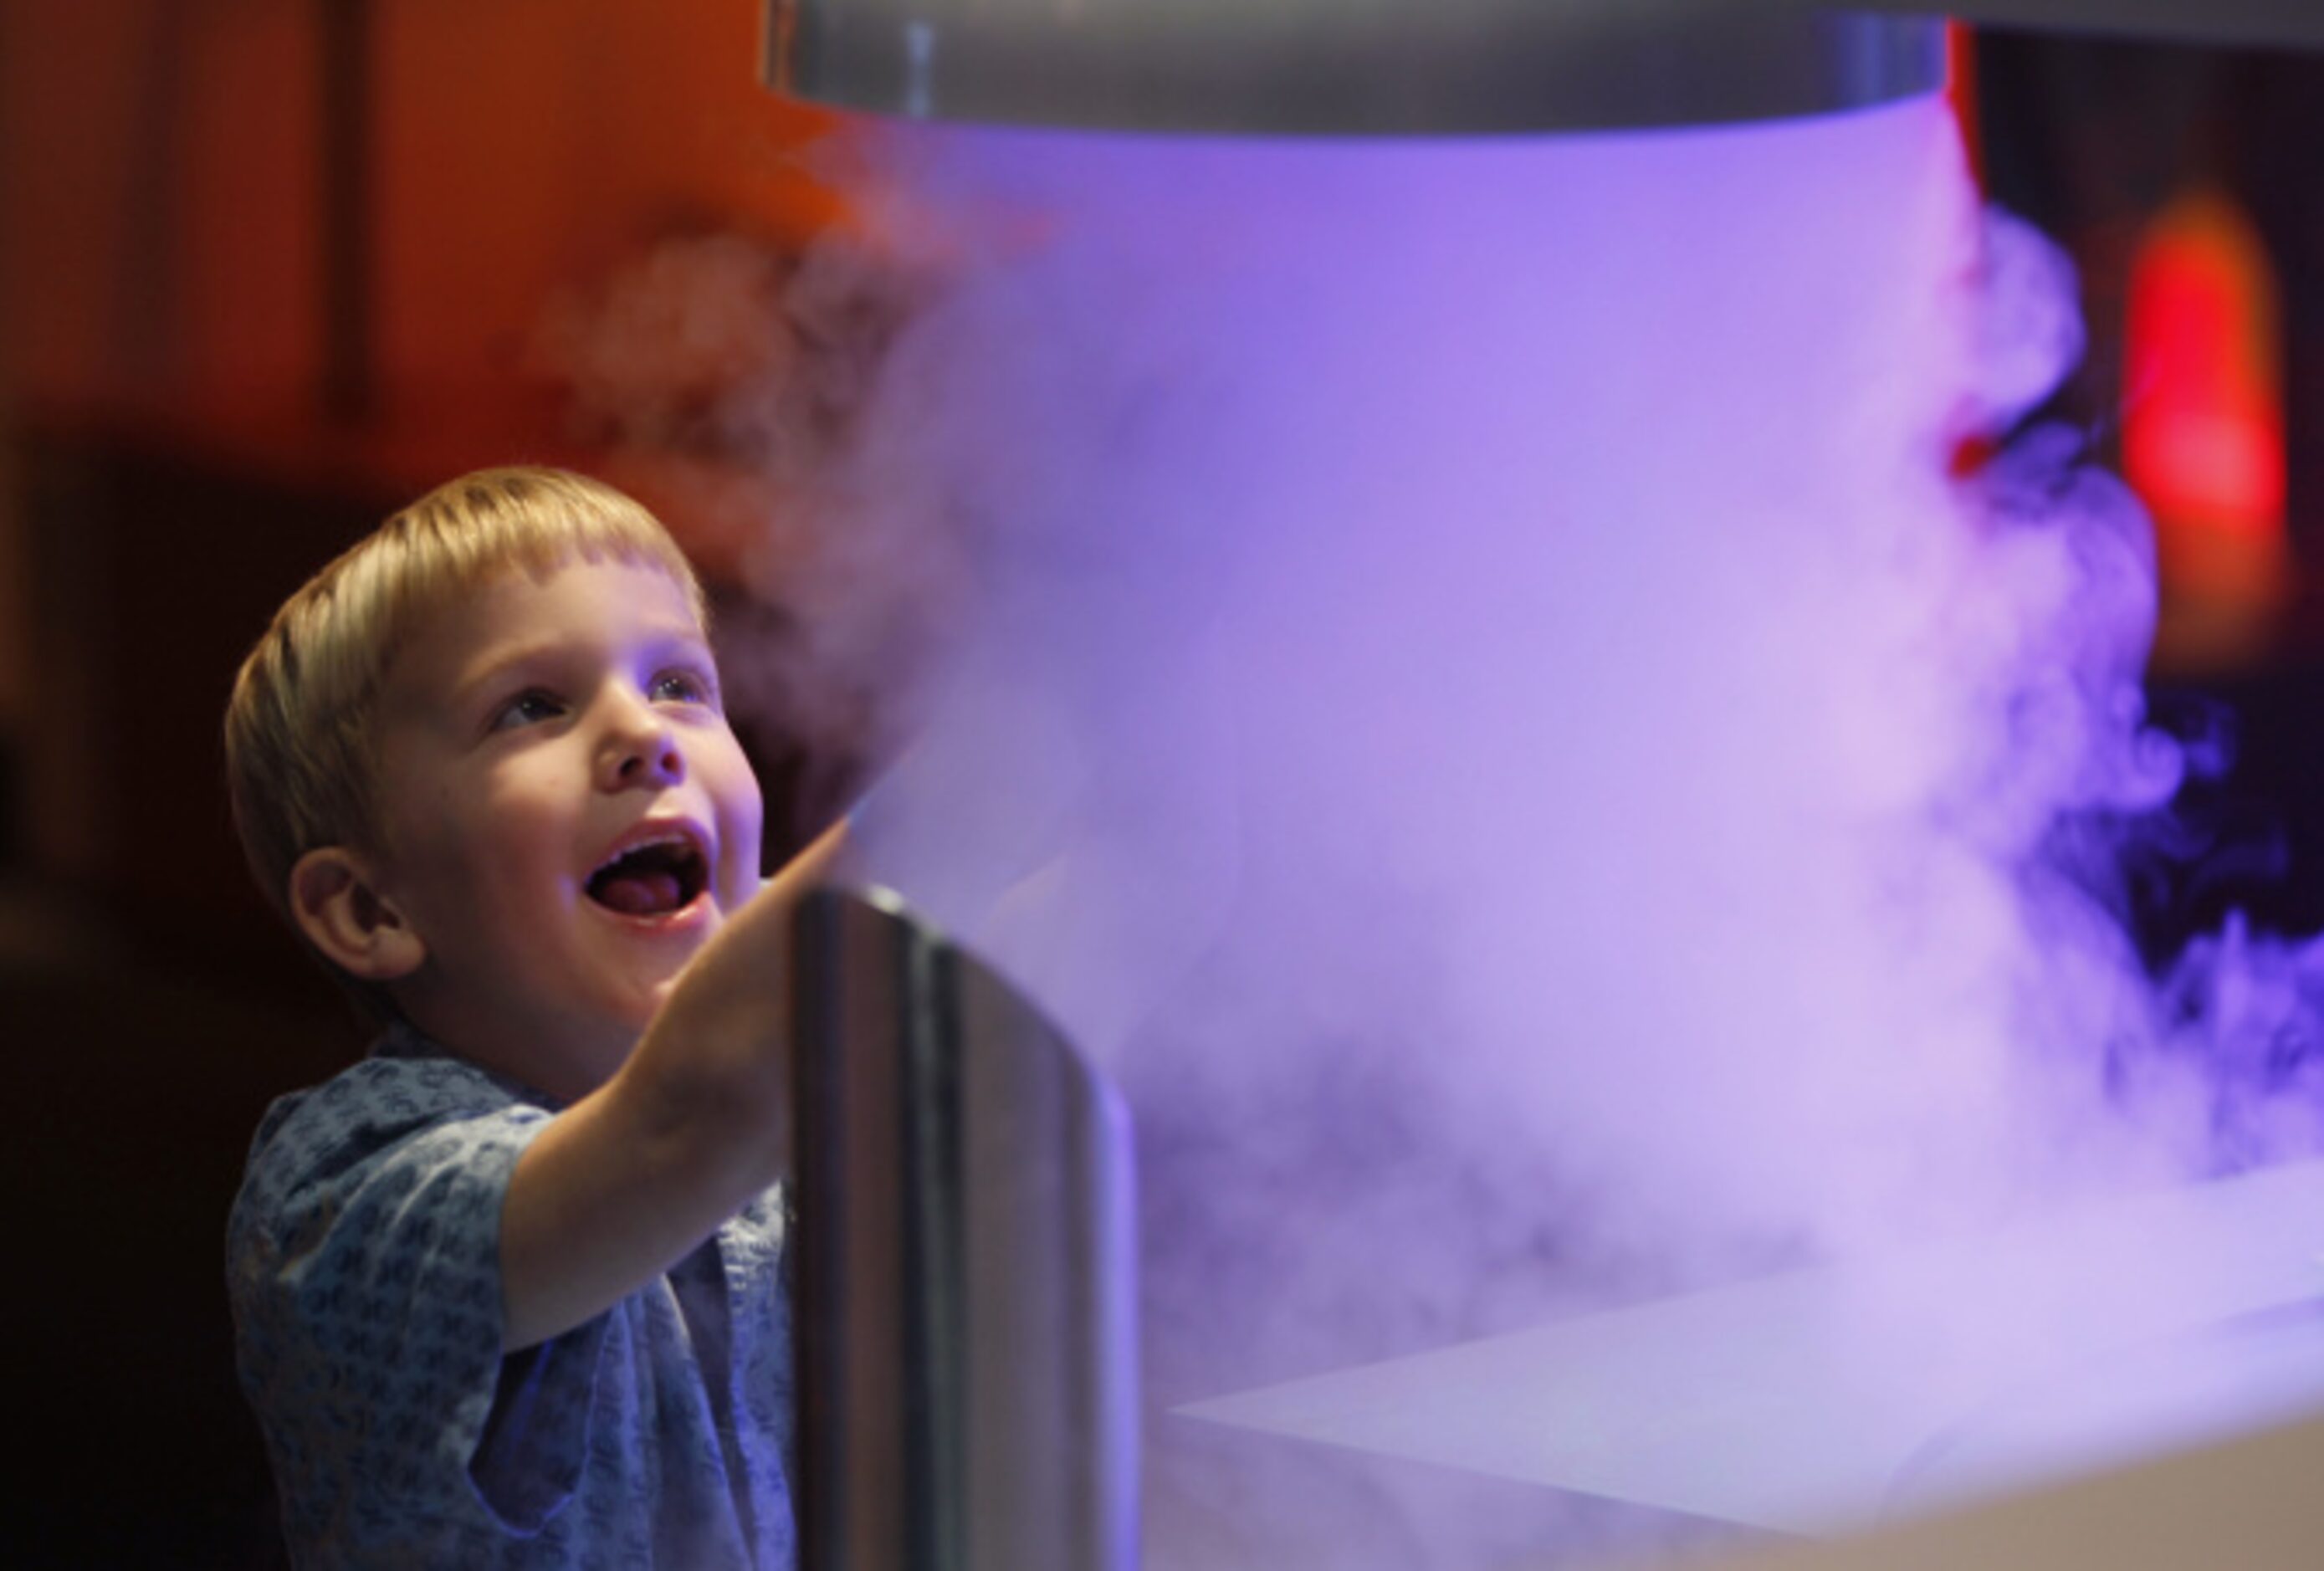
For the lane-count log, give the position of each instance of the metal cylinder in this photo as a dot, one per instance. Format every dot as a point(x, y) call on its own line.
point(1349, 67)
point(965, 1294)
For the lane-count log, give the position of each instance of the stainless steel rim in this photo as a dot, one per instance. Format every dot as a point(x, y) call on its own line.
point(1348, 67)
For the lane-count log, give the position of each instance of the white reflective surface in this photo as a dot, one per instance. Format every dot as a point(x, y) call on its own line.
point(1827, 1401)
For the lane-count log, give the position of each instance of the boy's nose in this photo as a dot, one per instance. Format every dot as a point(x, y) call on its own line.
point(640, 748)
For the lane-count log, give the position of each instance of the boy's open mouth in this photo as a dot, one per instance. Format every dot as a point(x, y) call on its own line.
point(651, 879)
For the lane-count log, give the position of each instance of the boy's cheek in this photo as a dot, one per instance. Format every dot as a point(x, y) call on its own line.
point(743, 851)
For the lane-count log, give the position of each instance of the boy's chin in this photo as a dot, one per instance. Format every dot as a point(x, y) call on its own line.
point(641, 993)
point(621, 1017)
point(646, 1001)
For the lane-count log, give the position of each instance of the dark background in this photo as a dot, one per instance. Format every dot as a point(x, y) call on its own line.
point(268, 269)
point(2094, 140)
point(272, 267)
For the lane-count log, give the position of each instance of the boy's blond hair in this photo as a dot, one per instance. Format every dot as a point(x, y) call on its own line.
point(301, 728)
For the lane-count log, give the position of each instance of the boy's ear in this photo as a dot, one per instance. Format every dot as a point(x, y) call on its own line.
point(336, 903)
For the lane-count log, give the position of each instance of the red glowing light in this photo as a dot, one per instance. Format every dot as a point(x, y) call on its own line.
point(1961, 92)
point(2203, 429)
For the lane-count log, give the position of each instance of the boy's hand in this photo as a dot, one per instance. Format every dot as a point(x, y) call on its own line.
point(633, 1176)
point(719, 1048)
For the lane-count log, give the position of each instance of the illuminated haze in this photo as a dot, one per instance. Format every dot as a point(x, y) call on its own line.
point(1481, 701)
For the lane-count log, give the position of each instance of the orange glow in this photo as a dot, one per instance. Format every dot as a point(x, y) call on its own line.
point(161, 183)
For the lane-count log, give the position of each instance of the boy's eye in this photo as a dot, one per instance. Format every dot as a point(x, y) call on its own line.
point(527, 709)
point(683, 686)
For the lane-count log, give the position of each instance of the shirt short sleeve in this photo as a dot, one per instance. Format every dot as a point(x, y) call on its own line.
point(364, 1263)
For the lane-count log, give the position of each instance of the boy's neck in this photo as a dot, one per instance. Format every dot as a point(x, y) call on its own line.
point(557, 1057)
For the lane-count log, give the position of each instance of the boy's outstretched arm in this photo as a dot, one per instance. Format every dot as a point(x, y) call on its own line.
point(631, 1177)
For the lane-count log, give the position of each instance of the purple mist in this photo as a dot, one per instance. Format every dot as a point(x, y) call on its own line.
point(1477, 698)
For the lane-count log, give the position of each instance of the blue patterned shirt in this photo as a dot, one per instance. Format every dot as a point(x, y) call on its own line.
point(363, 1265)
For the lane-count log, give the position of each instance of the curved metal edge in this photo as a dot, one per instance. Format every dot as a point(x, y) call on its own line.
point(1302, 68)
point(937, 1110)
point(1051, 1141)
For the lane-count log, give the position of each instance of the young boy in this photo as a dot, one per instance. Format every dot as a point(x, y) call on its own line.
point(506, 1292)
